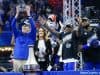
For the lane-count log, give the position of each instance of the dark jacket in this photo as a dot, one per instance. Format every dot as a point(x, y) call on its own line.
point(91, 54)
point(48, 49)
point(68, 49)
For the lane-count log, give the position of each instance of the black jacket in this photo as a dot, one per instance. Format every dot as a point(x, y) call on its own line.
point(48, 49)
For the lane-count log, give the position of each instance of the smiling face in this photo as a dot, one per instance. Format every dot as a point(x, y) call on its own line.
point(41, 33)
point(25, 29)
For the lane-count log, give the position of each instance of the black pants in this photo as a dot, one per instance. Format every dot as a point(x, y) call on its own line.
point(43, 65)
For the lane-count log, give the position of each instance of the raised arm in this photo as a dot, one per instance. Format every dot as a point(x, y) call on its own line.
point(13, 23)
point(44, 24)
point(32, 23)
point(33, 27)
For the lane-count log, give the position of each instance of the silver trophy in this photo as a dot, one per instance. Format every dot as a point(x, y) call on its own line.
point(31, 66)
point(21, 5)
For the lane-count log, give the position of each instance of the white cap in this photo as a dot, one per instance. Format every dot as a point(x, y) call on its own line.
point(52, 17)
point(26, 22)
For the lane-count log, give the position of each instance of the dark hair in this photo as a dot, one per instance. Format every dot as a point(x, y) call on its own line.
point(84, 19)
point(26, 25)
point(68, 26)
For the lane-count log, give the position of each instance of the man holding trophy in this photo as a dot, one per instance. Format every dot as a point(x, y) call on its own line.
point(23, 38)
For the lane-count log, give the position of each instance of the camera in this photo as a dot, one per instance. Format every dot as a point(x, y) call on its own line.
point(22, 7)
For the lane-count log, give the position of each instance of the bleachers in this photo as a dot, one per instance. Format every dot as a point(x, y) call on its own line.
point(5, 38)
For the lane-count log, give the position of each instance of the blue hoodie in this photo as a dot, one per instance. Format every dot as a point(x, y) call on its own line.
point(22, 40)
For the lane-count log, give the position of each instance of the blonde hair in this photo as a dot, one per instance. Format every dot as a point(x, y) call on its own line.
point(45, 34)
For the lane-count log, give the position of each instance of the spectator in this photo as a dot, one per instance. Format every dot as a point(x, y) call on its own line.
point(42, 49)
point(84, 35)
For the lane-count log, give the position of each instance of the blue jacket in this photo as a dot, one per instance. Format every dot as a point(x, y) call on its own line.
point(22, 40)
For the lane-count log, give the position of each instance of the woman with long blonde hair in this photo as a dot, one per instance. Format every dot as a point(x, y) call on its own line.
point(42, 49)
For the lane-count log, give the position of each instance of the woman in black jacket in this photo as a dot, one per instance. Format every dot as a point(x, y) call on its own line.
point(42, 49)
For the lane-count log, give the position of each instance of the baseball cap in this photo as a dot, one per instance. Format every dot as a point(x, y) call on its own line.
point(85, 19)
point(26, 23)
point(52, 17)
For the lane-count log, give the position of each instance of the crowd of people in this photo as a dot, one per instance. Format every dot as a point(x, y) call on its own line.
point(38, 7)
point(84, 39)
point(55, 44)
